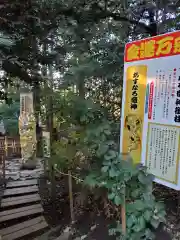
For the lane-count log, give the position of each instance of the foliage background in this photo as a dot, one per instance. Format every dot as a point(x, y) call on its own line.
point(70, 54)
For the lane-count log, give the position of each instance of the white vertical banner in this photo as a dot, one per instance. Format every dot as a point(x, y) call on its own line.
point(46, 144)
point(27, 126)
point(26, 103)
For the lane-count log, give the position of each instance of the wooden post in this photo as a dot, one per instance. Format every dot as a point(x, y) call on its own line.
point(50, 129)
point(4, 168)
point(71, 196)
point(53, 183)
point(45, 165)
point(178, 208)
point(123, 206)
point(4, 155)
point(5, 147)
point(123, 218)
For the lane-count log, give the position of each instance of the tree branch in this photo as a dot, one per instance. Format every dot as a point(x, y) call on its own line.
point(14, 70)
point(95, 15)
point(118, 17)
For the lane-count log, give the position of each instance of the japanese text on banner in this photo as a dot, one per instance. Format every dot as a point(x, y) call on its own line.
point(163, 145)
point(134, 111)
point(160, 46)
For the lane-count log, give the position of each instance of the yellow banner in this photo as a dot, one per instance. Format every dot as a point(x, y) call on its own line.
point(136, 80)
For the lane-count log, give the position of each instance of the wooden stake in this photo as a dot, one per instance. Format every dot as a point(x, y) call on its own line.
point(123, 218)
point(6, 146)
point(123, 213)
point(53, 183)
point(71, 196)
point(4, 167)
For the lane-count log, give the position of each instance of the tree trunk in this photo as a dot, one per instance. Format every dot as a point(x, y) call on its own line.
point(37, 110)
point(50, 129)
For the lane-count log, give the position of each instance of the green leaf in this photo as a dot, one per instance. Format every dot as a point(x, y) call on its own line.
point(107, 132)
point(90, 180)
point(83, 119)
point(135, 193)
point(145, 179)
point(140, 225)
point(137, 205)
point(149, 234)
point(131, 220)
point(159, 206)
point(117, 200)
point(155, 223)
point(137, 228)
point(107, 157)
point(111, 196)
point(107, 163)
point(142, 178)
point(162, 215)
point(102, 150)
point(105, 169)
point(127, 177)
point(110, 155)
point(148, 197)
point(137, 235)
point(113, 172)
point(142, 222)
point(147, 215)
point(6, 40)
point(109, 184)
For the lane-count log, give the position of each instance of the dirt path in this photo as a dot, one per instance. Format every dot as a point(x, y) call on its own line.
point(91, 224)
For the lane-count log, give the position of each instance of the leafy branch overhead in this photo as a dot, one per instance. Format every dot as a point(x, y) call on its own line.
point(32, 24)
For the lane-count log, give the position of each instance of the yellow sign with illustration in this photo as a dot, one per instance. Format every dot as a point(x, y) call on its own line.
point(150, 119)
point(136, 80)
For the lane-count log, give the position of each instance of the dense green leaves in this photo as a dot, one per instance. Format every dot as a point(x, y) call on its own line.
point(103, 148)
point(126, 183)
point(91, 180)
point(145, 179)
point(105, 169)
point(9, 114)
point(147, 215)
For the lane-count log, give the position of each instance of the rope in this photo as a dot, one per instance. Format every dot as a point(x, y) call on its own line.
point(66, 174)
